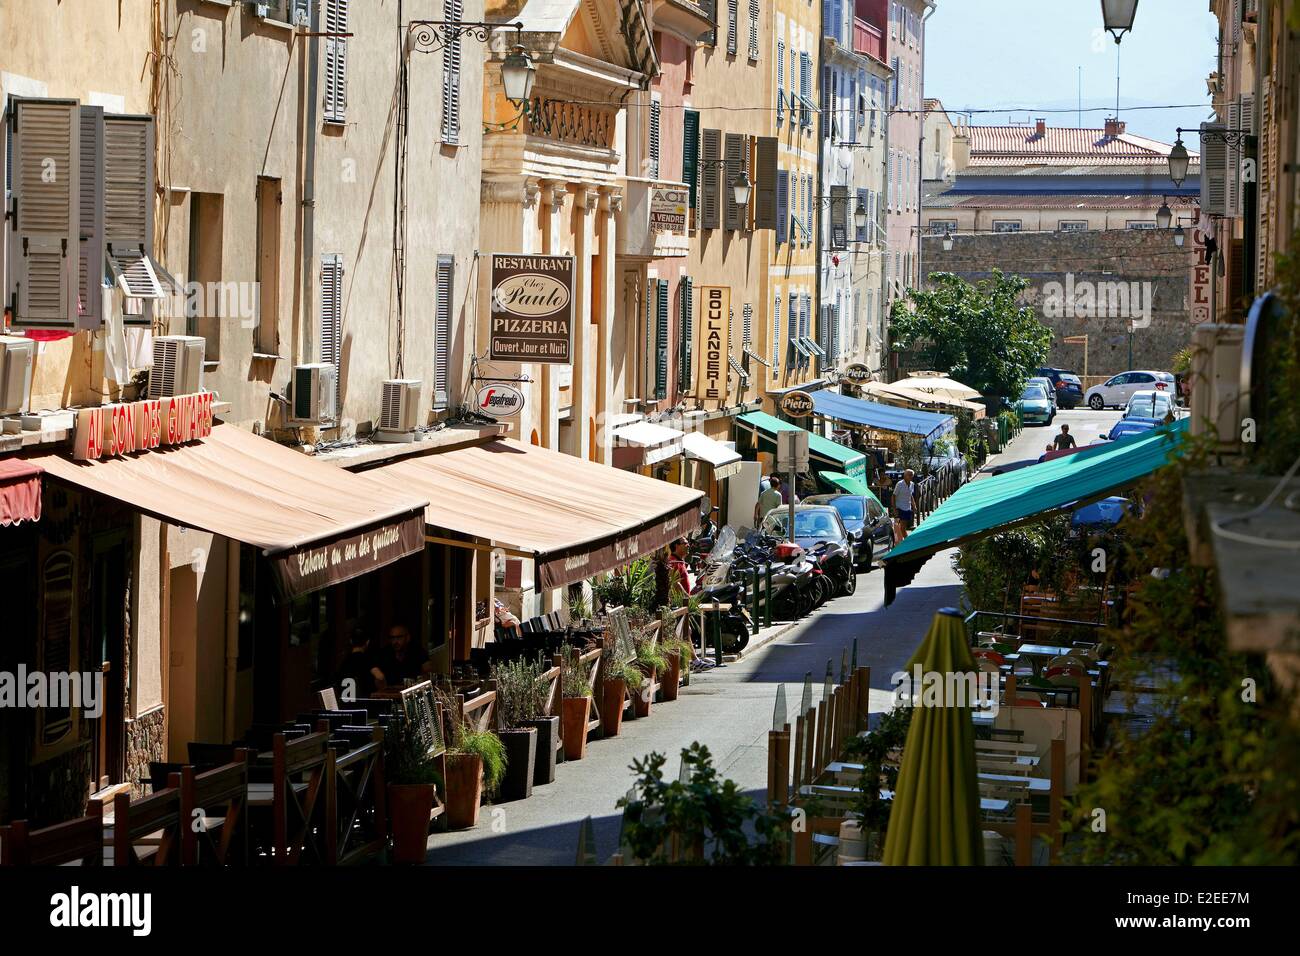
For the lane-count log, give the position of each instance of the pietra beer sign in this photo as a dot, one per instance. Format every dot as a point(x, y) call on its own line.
point(532, 309)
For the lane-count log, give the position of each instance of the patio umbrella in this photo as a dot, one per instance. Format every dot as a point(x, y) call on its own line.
point(940, 386)
point(935, 816)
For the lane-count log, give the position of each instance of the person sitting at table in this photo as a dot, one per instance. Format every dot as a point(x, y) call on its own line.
point(404, 658)
point(358, 676)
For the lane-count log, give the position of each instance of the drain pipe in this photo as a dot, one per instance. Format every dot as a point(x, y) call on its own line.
point(232, 634)
point(309, 184)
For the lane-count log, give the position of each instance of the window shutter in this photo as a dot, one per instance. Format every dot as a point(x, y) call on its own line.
point(747, 325)
point(452, 10)
point(648, 320)
point(710, 150)
point(805, 88)
point(336, 61)
point(661, 340)
point(839, 217)
point(776, 334)
point(753, 29)
point(782, 204)
point(807, 209)
point(765, 159)
point(710, 8)
point(732, 27)
point(780, 80)
point(445, 295)
point(90, 265)
point(686, 326)
point(656, 108)
point(1214, 173)
point(735, 145)
point(864, 201)
point(792, 331)
point(691, 152)
point(128, 211)
point(45, 237)
point(331, 321)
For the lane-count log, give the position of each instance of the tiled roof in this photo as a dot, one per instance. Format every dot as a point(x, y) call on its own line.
point(1030, 203)
point(1158, 169)
point(1022, 145)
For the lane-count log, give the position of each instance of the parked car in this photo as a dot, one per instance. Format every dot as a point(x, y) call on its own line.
point(1048, 387)
point(1035, 406)
point(1066, 385)
point(1131, 426)
point(1118, 389)
point(1150, 404)
point(867, 522)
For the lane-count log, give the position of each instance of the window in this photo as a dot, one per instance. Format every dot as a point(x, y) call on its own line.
point(1006, 225)
point(860, 233)
point(780, 81)
point(691, 153)
point(733, 27)
point(661, 339)
point(331, 321)
point(792, 332)
point(1140, 224)
point(710, 192)
point(1072, 225)
point(753, 29)
point(336, 60)
point(267, 338)
point(733, 162)
point(776, 335)
point(444, 304)
point(452, 10)
point(656, 109)
point(203, 311)
point(686, 335)
point(782, 205)
point(943, 227)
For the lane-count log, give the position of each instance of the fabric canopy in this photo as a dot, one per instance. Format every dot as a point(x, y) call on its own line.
point(887, 418)
point(829, 454)
point(916, 396)
point(20, 491)
point(320, 525)
point(656, 442)
point(989, 504)
point(940, 385)
point(574, 517)
point(725, 461)
point(852, 486)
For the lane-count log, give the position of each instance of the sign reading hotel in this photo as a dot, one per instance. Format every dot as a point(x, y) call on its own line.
point(1200, 289)
point(532, 309)
point(668, 209)
point(715, 335)
point(108, 431)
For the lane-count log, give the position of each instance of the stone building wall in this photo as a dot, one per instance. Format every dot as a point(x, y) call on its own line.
point(1089, 283)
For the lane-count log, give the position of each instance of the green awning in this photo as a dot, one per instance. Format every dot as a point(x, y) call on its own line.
point(990, 504)
point(823, 453)
point(851, 486)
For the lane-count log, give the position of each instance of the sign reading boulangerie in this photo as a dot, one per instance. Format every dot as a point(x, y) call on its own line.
point(715, 336)
point(348, 555)
point(532, 309)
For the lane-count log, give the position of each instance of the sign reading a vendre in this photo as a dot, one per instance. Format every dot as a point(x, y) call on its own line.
point(715, 335)
point(532, 309)
point(668, 209)
point(128, 427)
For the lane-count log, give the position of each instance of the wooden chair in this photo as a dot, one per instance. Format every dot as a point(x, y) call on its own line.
point(356, 822)
point(147, 830)
point(297, 811)
point(76, 842)
point(214, 813)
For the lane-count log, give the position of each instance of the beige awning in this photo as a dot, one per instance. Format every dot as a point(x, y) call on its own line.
point(651, 442)
point(915, 396)
point(575, 517)
point(725, 461)
point(318, 524)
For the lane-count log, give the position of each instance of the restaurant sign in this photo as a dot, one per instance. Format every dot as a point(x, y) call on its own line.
point(715, 336)
point(856, 374)
point(107, 431)
point(499, 400)
point(668, 206)
point(797, 404)
point(532, 309)
point(346, 556)
point(1200, 287)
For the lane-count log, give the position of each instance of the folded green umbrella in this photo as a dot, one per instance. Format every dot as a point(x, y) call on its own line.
point(934, 820)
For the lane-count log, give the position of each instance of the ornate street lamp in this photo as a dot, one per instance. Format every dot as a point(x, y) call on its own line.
point(740, 187)
point(517, 75)
point(1179, 237)
point(1117, 15)
point(860, 216)
point(947, 241)
point(1164, 216)
point(1179, 161)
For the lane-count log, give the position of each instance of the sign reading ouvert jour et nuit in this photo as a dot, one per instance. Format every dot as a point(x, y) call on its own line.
point(532, 309)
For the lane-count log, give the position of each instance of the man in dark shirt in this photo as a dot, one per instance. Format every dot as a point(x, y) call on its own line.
point(1065, 439)
point(358, 676)
point(403, 659)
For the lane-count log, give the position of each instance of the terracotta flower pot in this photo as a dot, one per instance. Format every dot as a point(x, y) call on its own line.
point(672, 677)
point(576, 711)
point(612, 702)
point(643, 698)
point(409, 808)
point(464, 790)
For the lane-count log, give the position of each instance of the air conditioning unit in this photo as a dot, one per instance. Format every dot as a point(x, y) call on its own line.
point(315, 394)
point(1216, 383)
point(16, 357)
point(177, 365)
point(399, 416)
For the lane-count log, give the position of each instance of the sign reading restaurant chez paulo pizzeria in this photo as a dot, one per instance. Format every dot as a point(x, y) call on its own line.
point(532, 309)
point(797, 404)
point(107, 431)
point(715, 334)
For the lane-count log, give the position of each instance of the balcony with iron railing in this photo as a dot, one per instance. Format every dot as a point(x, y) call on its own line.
point(868, 39)
point(654, 218)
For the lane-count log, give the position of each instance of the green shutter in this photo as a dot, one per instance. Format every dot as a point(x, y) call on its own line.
point(661, 343)
point(690, 150)
point(686, 327)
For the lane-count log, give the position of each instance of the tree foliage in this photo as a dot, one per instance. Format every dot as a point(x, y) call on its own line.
point(978, 333)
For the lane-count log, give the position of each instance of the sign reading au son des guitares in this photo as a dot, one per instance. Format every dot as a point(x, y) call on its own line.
point(126, 427)
point(532, 309)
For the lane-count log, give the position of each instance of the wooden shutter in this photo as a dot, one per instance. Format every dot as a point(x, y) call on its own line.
point(765, 160)
point(805, 88)
point(733, 15)
point(445, 295)
point(45, 238)
point(1214, 173)
point(686, 328)
point(839, 217)
point(451, 78)
point(776, 334)
point(1267, 180)
point(661, 340)
point(782, 205)
point(90, 265)
point(331, 321)
point(753, 29)
point(691, 152)
point(792, 331)
point(710, 150)
point(656, 108)
point(128, 211)
point(648, 319)
point(780, 80)
point(336, 60)
point(734, 160)
point(710, 8)
point(747, 325)
point(1233, 161)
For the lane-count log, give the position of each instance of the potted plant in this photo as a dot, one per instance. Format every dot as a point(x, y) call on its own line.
point(652, 663)
point(521, 698)
point(412, 780)
point(476, 762)
point(576, 706)
point(618, 680)
point(676, 651)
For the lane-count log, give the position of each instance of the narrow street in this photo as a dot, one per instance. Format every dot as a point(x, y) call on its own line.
point(730, 709)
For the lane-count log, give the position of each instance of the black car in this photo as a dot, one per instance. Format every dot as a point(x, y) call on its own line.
point(868, 524)
point(1069, 390)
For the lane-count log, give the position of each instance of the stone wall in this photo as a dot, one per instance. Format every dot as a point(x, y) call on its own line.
point(146, 739)
point(1089, 283)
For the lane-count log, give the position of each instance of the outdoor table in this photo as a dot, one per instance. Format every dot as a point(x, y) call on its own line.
point(987, 804)
point(263, 794)
point(1037, 653)
point(1035, 784)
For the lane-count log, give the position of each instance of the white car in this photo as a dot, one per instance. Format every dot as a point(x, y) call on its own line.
point(1118, 389)
point(1149, 404)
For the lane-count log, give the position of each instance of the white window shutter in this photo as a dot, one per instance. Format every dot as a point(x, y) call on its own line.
point(733, 27)
point(753, 29)
point(445, 299)
point(331, 321)
point(656, 108)
point(128, 211)
point(776, 333)
point(1214, 172)
point(336, 61)
point(451, 62)
point(90, 266)
point(780, 80)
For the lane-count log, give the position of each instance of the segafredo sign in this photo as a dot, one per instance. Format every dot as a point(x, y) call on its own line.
point(500, 400)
